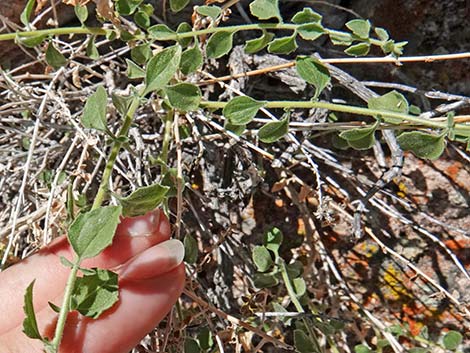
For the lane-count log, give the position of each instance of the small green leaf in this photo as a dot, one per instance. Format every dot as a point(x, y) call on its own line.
point(396, 330)
point(162, 67)
point(295, 269)
point(219, 44)
point(93, 294)
point(278, 308)
point(184, 27)
point(254, 45)
point(265, 9)
point(360, 49)
point(93, 231)
point(27, 11)
point(121, 103)
point(190, 249)
point(262, 258)
point(178, 5)
point(283, 45)
point(65, 262)
point(142, 19)
point(241, 110)
point(272, 132)
point(161, 32)
point(423, 145)
point(54, 57)
point(32, 41)
point(361, 138)
point(382, 33)
point(391, 101)
point(54, 307)
point(81, 11)
point(94, 113)
point(91, 49)
point(184, 96)
point(127, 7)
point(30, 325)
point(360, 28)
point(191, 346)
point(307, 15)
point(310, 31)
point(209, 11)
point(147, 8)
point(424, 332)
point(265, 280)
point(191, 60)
point(360, 348)
point(314, 72)
point(236, 129)
point(134, 71)
point(452, 340)
point(273, 239)
point(303, 343)
point(300, 286)
point(141, 53)
point(205, 338)
point(340, 38)
point(143, 200)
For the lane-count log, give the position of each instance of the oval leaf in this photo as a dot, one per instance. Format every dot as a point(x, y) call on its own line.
point(94, 113)
point(219, 44)
point(184, 96)
point(391, 101)
point(314, 72)
point(95, 293)
point(362, 138)
point(423, 145)
point(360, 49)
point(307, 15)
point(191, 59)
point(262, 258)
point(302, 342)
point(265, 9)
point(310, 31)
point(178, 5)
point(54, 57)
point(254, 45)
point(265, 280)
point(271, 132)
point(161, 32)
point(93, 231)
point(162, 67)
point(190, 249)
point(241, 110)
point(452, 340)
point(360, 28)
point(283, 45)
point(143, 200)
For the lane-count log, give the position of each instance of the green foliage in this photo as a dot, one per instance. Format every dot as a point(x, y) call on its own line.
point(360, 28)
point(310, 31)
point(143, 200)
point(452, 340)
point(262, 258)
point(93, 231)
point(209, 11)
point(54, 57)
point(307, 15)
point(134, 71)
point(191, 60)
point(27, 12)
point(254, 45)
point(313, 72)
point(423, 145)
point(273, 239)
point(360, 348)
point(191, 346)
point(162, 67)
point(205, 338)
point(91, 49)
point(362, 138)
point(127, 7)
point(161, 32)
point(283, 45)
point(303, 343)
point(190, 249)
point(95, 292)
point(30, 326)
point(178, 5)
point(274, 131)
point(241, 110)
point(391, 101)
point(361, 49)
point(81, 11)
point(219, 44)
point(184, 96)
point(265, 9)
point(141, 53)
point(94, 113)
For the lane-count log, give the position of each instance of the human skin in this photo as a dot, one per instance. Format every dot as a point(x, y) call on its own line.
point(151, 278)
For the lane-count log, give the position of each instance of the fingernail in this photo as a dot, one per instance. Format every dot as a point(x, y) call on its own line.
point(144, 225)
point(154, 261)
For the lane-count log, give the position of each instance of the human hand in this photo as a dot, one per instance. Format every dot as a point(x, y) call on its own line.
point(151, 278)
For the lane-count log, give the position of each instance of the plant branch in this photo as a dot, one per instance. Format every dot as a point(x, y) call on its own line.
point(459, 128)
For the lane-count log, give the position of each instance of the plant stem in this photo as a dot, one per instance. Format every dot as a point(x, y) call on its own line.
point(167, 139)
point(459, 128)
point(104, 185)
point(55, 31)
point(65, 308)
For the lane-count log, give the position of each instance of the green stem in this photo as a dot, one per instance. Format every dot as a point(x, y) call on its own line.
point(55, 31)
point(65, 308)
point(104, 185)
point(459, 128)
point(167, 139)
